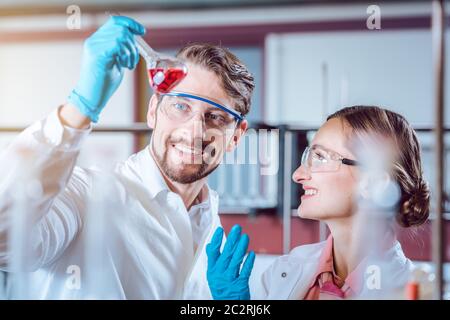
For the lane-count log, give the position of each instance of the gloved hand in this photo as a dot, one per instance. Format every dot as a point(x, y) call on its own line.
point(110, 49)
point(224, 279)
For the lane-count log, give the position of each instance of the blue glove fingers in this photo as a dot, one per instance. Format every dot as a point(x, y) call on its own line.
point(213, 248)
point(132, 56)
point(229, 248)
point(113, 46)
point(134, 26)
point(238, 256)
point(248, 266)
point(134, 53)
point(124, 57)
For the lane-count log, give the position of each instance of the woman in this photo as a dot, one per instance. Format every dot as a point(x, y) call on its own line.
point(330, 173)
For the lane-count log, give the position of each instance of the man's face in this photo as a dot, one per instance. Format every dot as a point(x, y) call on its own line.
point(190, 149)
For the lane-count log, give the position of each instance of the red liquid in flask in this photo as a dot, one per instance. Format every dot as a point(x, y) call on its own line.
point(163, 80)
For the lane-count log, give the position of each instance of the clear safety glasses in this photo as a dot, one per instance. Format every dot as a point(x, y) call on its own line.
point(319, 159)
point(181, 107)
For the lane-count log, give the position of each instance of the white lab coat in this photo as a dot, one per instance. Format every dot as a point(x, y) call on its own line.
point(290, 276)
point(148, 252)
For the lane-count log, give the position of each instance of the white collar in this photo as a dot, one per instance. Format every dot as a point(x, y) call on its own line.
point(148, 172)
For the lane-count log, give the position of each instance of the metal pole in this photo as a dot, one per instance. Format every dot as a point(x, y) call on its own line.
point(287, 172)
point(438, 35)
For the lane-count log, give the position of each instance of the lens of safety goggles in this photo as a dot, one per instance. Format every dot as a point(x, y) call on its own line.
point(318, 159)
point(181, 106)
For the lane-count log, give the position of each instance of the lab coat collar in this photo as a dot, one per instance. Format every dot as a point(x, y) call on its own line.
point(354, 280)
point(295, 272)
point(303, 266)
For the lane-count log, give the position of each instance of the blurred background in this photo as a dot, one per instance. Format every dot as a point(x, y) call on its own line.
point(309, 59)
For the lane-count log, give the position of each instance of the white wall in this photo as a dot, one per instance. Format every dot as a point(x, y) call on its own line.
point(311, 75)
point(36, 78)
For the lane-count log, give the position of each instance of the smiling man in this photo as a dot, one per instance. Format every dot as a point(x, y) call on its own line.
point(161, 211)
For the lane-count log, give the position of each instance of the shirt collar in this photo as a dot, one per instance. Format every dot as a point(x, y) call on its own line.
point(352, 283)
point(326, 258)
point(152, 178)
point(148, 172)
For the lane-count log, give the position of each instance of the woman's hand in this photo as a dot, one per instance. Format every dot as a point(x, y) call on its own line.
point(224, 279)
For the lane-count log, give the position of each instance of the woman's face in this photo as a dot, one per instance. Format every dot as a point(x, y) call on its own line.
point(331, 193)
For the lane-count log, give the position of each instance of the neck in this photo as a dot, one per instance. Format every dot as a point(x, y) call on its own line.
point(345, 247)
point(353, 241)
point(190, 193)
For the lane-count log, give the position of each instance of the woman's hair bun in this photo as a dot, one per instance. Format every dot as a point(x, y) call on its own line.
point(415, 209)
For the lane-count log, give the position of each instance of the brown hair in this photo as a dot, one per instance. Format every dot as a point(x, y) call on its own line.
point(237, 81)
point(414, 204)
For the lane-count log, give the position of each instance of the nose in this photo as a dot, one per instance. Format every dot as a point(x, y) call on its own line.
point(197, 126)
point(301, 174)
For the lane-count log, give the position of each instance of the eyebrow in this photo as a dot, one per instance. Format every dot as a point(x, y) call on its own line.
point(176, 98)
point(320, 146)
point(329, 150)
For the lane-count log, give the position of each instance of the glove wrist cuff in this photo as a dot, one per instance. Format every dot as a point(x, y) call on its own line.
point(83, 106)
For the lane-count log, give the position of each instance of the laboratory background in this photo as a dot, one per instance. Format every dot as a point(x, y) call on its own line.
point(309, 59)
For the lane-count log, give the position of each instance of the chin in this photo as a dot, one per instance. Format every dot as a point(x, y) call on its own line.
point(308, 213)
point(302, 212)
point(186, 169)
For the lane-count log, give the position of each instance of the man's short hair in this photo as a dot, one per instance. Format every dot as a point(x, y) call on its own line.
point(237, 81)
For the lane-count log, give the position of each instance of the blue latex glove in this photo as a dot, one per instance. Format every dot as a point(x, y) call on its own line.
point(224, 279)
point(110, 49)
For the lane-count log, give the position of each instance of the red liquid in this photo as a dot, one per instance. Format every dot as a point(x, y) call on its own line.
point(164, 80)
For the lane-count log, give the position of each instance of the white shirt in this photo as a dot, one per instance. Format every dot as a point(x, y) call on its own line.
point(149, 238)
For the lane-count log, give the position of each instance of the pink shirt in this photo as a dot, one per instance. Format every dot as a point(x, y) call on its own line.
point(327, 285)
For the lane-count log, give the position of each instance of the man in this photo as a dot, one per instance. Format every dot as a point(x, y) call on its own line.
point(160, 212)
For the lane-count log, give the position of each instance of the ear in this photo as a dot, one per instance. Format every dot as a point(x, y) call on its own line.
point(151, 113)
point(367, 183)
point(384, 181)
point(239, 132)
point(364, 187)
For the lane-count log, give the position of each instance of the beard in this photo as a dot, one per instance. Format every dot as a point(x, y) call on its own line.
point(182, 173)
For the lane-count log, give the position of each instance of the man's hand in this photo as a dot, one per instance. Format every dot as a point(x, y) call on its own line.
point(110, 49)
point(224, 279)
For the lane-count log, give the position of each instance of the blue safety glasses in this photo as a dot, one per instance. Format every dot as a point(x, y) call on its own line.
point(239, 117)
